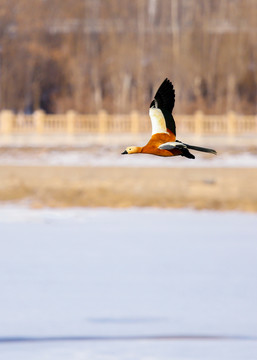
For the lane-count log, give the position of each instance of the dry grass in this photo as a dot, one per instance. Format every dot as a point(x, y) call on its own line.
point(200, 188)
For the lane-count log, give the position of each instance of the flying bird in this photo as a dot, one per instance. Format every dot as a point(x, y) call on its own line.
point(163, 140)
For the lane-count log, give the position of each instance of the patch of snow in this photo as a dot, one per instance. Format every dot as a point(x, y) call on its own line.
point(110, 157)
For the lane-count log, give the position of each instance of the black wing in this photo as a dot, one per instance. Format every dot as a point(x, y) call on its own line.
point(164, 100)
point(165, 96)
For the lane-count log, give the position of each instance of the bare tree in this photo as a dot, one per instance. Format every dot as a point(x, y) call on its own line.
point(92, 54)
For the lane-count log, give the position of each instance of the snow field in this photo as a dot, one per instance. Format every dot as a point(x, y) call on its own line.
point(136, 272)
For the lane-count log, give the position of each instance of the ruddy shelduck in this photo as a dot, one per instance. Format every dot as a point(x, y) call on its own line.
point(163, 140)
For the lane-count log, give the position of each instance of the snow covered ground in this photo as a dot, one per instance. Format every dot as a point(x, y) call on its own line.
point(112, 157)
point(147, 284)
point(105, 150)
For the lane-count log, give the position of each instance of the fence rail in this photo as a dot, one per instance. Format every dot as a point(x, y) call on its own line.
point(73, 123)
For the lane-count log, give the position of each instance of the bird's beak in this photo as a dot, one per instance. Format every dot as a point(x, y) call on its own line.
point(124, 152)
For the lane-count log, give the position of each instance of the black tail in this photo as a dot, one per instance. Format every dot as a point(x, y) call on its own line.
point(198, 148)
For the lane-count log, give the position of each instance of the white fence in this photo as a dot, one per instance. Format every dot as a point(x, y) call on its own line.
point(73, 123)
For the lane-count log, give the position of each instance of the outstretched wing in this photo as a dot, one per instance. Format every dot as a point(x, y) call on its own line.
point(165, 96)
point(161, 109)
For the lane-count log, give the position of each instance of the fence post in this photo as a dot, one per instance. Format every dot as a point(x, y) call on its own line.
point(7, 121)
point(103, 121)
point(39, 120)
point(199, 122)
point(231, 123)
point(71, 121)
point(134, 118)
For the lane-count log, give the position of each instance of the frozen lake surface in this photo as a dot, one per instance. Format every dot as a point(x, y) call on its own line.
point(112, 157)
point(142, 284)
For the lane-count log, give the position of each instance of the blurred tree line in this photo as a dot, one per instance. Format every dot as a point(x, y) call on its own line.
point(112, 54)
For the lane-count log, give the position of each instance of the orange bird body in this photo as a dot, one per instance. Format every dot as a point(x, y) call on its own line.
point(163, 140)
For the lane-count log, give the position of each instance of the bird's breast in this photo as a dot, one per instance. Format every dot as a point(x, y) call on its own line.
point(152, 147)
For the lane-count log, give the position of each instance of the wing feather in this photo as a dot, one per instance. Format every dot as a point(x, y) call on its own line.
point(165, 96)
point(164, 100)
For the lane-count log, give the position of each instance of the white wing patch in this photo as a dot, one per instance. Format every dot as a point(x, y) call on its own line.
point(172, 145)
point(158, 121)
point(168, 145)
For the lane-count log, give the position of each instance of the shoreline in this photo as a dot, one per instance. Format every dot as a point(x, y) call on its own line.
point(116, 187)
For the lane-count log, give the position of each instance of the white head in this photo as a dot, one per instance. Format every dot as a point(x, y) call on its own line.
point(132, 150)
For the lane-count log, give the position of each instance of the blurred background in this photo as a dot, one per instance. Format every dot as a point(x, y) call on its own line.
point(77, 78)
point(106, 256)
point(87, 55)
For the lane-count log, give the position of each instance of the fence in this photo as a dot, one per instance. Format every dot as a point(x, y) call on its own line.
point(73, 123)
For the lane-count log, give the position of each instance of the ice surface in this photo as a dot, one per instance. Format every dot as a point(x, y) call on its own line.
point(128, 273)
